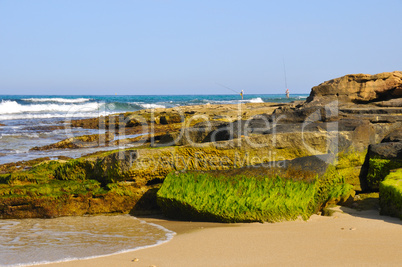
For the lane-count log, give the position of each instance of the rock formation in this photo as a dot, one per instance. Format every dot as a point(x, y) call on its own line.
point(359, 88)
point(84, 141)
point(381, 159)
point(350, 114)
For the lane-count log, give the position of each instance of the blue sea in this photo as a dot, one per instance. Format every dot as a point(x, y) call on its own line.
point(30, 120)
point(28, 107)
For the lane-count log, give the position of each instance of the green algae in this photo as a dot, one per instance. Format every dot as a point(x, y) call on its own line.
point(379, 169)
point(39, 173)
point(349, 164)
point(391, 194)
point(245, 198)
point(198, 196)
point(58, 188)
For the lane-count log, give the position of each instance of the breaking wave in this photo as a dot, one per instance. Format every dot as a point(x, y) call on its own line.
point(12, 110)
point(57, 99)
point(255, 100)
point(12, 107)
point(148, 105)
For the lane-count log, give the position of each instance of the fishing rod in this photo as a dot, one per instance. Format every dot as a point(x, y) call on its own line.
point(284, 70)
point(227, 88)
point(241, 92)
point(286, 83)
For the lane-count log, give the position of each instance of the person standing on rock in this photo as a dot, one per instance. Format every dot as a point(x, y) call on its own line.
point(241, 94)
point(287, 93)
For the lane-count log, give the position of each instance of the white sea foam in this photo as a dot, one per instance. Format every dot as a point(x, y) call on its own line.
point(29, 135)
point(57, 99)
point(11, 110)
point(54, 115)
point(12, 107)
point(148, 105)
point(255, 100)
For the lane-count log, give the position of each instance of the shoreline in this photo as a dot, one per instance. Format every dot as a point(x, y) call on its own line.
point(348, 237)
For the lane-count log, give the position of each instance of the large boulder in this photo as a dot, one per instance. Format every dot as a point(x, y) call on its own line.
point(359, 88)
point(199, 133)
point(390, 146)
point(381, 159)
point(263, 192)
point(394, 136)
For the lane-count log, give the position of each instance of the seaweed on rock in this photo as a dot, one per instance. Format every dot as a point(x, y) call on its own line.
point(244, 198)
point(391, 194)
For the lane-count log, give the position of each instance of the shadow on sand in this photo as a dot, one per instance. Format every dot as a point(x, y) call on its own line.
point(373, 214)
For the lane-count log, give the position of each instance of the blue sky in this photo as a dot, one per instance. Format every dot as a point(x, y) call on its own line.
point(187, 47)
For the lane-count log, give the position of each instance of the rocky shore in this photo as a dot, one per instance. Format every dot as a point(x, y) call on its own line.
point(341, 143)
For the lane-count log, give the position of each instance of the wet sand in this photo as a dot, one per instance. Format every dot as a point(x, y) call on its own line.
point(348, 238)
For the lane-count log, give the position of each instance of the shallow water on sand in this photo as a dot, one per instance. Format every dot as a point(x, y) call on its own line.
point(33, 241)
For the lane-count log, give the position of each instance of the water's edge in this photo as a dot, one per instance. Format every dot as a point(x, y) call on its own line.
point(43, 231)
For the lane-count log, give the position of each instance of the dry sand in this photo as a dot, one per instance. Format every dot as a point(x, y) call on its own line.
point(348, 238)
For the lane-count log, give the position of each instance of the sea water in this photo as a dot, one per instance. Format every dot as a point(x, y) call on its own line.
point(38, 241)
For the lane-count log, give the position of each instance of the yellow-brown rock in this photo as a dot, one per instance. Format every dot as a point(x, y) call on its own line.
point(360, 88)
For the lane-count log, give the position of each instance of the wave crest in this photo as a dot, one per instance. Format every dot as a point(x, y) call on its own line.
point(12, 107)
point(10, 110)
point(148, 105)
point(57, 99)
point(256, 100)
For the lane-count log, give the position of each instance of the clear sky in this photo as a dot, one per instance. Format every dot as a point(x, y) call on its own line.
point(188, 46)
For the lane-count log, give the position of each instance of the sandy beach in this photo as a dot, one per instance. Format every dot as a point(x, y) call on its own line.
point(348, 237)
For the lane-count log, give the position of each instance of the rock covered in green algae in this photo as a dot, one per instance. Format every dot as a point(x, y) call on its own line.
point(58, 188)
point(253, 193)
point(381, 159)
point(391, 194)
point(124, 176)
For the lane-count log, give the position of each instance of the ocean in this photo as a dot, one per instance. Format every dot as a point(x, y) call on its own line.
point(27, 121)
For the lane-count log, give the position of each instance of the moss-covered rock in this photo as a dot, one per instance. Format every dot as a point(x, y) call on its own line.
point(197, 196)
point(66, 198)
point(254, 193)
point(380, 159)
point(144, 169)
point(349, 165)
point(41, 172)
point(65, 188)
point(378, 169)
point(151, 165)
point(391, 194)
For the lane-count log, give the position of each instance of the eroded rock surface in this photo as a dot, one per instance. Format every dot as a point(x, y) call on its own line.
point(84, 141)
point(359, 88)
